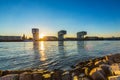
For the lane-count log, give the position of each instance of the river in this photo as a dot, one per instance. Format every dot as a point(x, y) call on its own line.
point(52, 54)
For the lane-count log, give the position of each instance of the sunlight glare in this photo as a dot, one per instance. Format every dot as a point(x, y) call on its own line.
point(42, 53)
point(41, 35)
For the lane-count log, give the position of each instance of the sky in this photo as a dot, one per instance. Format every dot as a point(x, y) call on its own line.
point(97, 17)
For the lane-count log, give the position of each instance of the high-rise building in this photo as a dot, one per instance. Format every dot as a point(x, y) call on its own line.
point(80, 35)
point(35, 32)
point(61, 35)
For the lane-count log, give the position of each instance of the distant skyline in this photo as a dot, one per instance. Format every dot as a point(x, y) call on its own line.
point(97, 17)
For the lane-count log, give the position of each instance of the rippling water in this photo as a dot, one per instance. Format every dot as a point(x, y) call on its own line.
point(52, 54)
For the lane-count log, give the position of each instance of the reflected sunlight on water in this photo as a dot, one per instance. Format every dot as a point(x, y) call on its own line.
point(42, 53)
point(39, 49)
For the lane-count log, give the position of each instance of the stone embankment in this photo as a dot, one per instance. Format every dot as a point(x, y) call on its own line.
point(103, 68)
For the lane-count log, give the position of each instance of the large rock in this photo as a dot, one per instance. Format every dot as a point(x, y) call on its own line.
point(57, 75)
point(10, 77)
point(115, 68)
point(47, 76)
point(110, 59)
point(114, 78)
point(117, 72)
point(106, 69)
point(5, 72)
point(75, 78)
point(78, 71)
point(117, 58)
point(26, 76)
point(87, 71)
point(66, 76)
point(1, 73)
point(113, 58)
point(97, 74)
point(37, 76)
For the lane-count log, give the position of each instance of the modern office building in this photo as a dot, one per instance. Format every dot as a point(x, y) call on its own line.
point(35, 32)
point(80, 35)
point(61, 35)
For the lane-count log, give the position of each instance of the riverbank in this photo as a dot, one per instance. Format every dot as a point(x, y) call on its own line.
point(103, 68)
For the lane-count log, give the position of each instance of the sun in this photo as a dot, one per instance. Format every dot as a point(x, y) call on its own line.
point(41, 35)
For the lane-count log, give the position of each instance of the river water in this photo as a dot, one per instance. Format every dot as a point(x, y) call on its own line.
point(52, 54)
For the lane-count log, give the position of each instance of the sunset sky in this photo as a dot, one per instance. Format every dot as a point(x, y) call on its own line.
point(97, 17)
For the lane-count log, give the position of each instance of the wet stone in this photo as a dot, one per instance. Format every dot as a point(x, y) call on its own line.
point(114, 78)
point(66, 76)
point(47, 76)
point(10, 77)
point(106, 69)
point(57, 75)
point(85, 78)
point(97, 63)
point(90, 65)
point(78, 71)
point(5, 72)
point(96, 74)
point(117, 72)
point(109, 58)
point(117, 59)
point(87, 71)
point(1, 73)
point(37, 76)
point(26, 76)
point(81, 75)
point(113, 58)
point(115, 69)
point(75, 78)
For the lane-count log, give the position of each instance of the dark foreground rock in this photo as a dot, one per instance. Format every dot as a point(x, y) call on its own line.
point(103, 68)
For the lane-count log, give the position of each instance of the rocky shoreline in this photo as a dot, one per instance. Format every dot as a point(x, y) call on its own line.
point(103, 68)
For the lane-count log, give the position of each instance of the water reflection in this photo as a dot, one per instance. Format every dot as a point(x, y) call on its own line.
point(81, 46)
point(61, 56)
point(36, 46)
point(42, 51)
point(39, 50)
point(36, 49)
point(61, 43)
point(61, 47)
